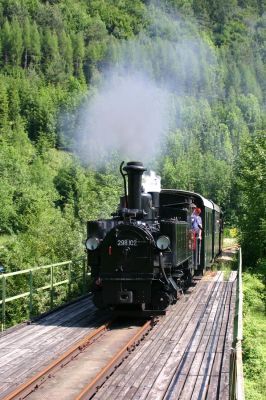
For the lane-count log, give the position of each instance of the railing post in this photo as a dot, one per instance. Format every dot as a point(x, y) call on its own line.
point(31, 294)
point(69, 278)
point(236, 367)
point(84, 275)
point(3, 324)
point(232, 375)
point(52, 287)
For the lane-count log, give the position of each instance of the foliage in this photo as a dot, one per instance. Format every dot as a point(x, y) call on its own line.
point(210, 56)
point(254, 344)
point(251, 178)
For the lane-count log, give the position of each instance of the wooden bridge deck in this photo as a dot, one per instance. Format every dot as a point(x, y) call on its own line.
point(26, 350)
point(187, 356)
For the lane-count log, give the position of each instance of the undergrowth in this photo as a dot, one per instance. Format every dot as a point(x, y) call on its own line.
point(254, 343)
point(254, 326)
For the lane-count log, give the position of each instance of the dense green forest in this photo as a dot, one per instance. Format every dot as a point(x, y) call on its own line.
point(209, 59)
point(54, 55)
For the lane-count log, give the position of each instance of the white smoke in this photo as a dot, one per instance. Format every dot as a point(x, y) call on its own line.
point(151, 182)
point(127, 116)
point(144, 90)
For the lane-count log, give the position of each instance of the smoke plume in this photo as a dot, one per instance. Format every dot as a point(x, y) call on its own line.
point(143, 91)
point(127, 117)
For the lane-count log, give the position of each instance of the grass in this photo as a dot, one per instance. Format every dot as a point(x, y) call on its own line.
point(4, 239)
point(229, 242)
point(254, 343)
point(254, 321)
point(227, 267)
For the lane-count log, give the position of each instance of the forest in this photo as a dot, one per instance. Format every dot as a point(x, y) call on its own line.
point(56, 56)
point(53, 56)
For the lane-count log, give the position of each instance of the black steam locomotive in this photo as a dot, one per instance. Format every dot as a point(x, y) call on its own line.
point(144, 256)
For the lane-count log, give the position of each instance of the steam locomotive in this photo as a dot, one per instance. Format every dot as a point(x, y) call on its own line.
point(145, 255)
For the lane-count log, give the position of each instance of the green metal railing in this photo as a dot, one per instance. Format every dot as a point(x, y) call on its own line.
point(73, 272)
point(236, 363)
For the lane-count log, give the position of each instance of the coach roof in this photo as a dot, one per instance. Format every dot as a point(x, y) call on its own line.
point(207, 203)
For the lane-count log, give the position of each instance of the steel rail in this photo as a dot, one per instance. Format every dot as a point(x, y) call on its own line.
point(101, 377)
point(33, 383)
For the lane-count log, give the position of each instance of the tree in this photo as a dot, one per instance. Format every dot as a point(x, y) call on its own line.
point(15, 43)
point(3, 106)
point(78, 54)
point(51, 60)
point(251, 184)
point(26, 42)
point(66, 52)
point(14, 104)
point(5, 36)
point(35, 44)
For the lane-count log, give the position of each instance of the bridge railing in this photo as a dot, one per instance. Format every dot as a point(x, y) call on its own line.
point(236, 364)
point(28, 293)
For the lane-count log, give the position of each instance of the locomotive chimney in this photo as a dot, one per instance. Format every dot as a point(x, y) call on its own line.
point(134, 171)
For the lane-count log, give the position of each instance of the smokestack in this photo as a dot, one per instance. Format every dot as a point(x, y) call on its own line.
point(134, 170)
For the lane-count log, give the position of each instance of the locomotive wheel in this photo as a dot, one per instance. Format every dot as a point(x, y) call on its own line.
point(161, 300)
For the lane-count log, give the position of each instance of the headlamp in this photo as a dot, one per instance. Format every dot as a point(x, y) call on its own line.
point(163, 242)
point(92, 243)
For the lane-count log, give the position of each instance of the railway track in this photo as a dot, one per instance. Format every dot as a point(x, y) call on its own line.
point(78, 372)
point(186, 356)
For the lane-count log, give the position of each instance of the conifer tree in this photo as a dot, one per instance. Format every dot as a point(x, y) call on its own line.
point(6, 42)
point(35, 44)
point(16, 43)
point(52, 64)
point(66, 52)
point(26, 42)
point(3, 106)
point(14, 104)
point(78, 53)
point(1, 58)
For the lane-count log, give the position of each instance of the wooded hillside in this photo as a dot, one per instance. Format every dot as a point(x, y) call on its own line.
point(53, 54)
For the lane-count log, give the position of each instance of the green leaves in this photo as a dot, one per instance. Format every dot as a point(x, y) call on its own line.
point(251, 182)
point(51, 51)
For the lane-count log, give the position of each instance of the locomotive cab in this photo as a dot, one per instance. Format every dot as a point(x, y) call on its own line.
point(209, 247)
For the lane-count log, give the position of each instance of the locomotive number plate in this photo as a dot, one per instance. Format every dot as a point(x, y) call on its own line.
point(127, 242)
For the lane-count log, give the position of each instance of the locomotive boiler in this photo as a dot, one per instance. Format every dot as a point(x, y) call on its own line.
point(142, 257)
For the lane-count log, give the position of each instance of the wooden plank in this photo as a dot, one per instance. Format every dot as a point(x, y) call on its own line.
point(196, 364)
point(154, 368)
point(213, 388)
point(37, 357)
point(31, 332)
point(224, 386)
point(173, 393)
point(200, 388)
point(189, 359)
point(188, 388)
point(206, 364)
point(217, 364)
point(50, 319)
point(38, 332)
point(151, 360)
point(209, 345)
point(186, 365)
